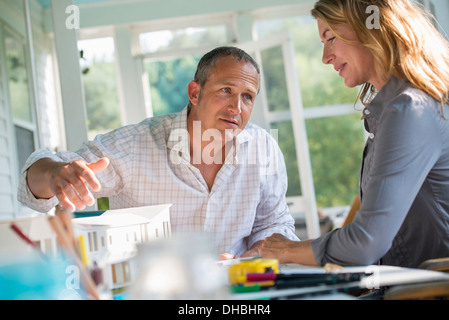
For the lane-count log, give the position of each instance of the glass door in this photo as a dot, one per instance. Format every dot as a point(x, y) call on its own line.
point(281, 112)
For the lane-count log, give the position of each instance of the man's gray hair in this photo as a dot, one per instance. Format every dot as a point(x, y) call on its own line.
point(209, 59)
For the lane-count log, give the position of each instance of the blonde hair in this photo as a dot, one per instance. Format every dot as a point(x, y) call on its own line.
point(405, 43)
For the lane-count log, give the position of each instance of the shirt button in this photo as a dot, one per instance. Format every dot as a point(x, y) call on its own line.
point(371, 136)
point(367, 112)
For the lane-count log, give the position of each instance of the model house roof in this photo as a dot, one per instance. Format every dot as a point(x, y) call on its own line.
point(122, 217)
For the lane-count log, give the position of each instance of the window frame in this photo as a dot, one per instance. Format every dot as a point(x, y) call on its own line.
point(24, 124)
point(171, 24)
point(32, 126)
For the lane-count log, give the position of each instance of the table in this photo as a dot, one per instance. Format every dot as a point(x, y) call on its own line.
point(377, 277)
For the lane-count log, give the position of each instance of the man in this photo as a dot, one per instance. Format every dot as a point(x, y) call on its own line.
point(221, 174)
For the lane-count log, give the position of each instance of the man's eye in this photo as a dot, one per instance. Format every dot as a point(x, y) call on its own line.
point(248, 97)
point(226, 90)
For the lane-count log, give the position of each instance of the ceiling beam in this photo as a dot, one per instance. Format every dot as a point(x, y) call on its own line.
point(108, 13)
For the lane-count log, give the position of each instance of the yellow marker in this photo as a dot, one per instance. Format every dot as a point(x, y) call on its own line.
point(83, 252)
point(237, 272)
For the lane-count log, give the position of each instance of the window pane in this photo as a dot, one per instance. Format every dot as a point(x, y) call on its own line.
point(286, 141)
point(169, 77)
point(17, 78)
point(168, 80)
point(275, 81)
point(182, 38)
point(320, 84)
point(100, 86)
point(335, 143)
point(336, 146)
point(25, 144)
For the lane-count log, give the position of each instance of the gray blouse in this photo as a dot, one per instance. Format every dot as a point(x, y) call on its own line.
point(404, 185)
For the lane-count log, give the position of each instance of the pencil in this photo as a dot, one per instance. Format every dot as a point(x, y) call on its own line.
point(82, 248)
point(67, 247)
point(66, 220)
point(24, 237)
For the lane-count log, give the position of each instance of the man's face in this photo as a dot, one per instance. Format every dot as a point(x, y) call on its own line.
point(227, 98)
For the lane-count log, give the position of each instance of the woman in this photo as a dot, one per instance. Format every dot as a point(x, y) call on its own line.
point(403, 68)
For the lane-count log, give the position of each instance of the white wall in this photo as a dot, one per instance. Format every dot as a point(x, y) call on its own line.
point(47, 116)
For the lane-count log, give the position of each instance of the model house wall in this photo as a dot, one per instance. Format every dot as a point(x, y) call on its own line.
point(111, 239)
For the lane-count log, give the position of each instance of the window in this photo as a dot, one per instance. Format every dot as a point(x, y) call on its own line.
point(170, 57)
point(19, 96)
point(166, 227)
point(182, 38)
point(18, 78)
point(121, 273)
point(335, 134)
point(166, 77)
point(25, 143)
point(100, 85)
point(278, 100)
point(92, 240)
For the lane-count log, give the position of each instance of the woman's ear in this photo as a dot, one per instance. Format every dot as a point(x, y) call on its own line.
point(193, 90)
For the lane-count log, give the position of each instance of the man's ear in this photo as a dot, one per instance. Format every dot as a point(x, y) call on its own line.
point(193, 90)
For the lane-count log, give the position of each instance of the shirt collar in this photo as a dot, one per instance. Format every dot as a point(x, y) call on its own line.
point(178, 138)
point(389, 91)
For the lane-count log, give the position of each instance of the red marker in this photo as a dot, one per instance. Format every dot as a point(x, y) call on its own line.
point(24, 237)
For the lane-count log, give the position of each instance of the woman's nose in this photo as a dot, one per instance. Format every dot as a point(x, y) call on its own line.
point(328, 56)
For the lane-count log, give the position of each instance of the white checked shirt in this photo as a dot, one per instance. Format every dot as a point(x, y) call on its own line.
point(150, 164)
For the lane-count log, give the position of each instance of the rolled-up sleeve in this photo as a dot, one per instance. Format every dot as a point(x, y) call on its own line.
point(24, 194)
point(102, 146)
point(399, 158)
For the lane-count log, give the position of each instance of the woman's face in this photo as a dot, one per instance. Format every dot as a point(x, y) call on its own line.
point(353, 61)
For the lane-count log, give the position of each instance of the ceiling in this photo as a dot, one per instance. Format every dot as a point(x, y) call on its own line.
point(47, 3)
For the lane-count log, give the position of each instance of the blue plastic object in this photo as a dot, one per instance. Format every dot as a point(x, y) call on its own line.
point(34, 278)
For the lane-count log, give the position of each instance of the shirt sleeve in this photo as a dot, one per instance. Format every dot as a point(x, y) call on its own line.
point(408, 143)
point(24, 194)
point(273, 214)
point(111, 145)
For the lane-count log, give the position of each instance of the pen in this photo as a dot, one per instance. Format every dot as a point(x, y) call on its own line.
point(247, 288)
point(282, 284)
point(271, 276)
point(257, 292)
point(269, 281)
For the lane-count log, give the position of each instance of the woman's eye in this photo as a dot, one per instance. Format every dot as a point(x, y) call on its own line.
point(331, 39)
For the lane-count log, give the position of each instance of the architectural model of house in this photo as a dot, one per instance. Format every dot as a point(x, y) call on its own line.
point(111, 239)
